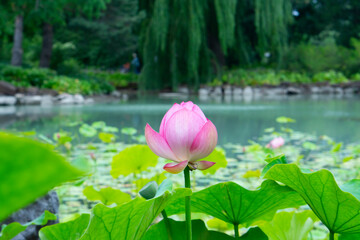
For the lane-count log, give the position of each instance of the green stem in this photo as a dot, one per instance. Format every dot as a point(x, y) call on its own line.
point(236, 230)
point(332, 236)
point(188, 204)
point(167, 224)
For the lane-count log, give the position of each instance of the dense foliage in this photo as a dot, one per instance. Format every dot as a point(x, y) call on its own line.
point(313, 196)
point(179, 42)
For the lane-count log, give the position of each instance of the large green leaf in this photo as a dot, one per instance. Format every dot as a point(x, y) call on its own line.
point(130, 220)
point(87, 130)
point(10, 231)
point(106, 195)
point(174, 230)
point(234, 204)
point(29, 169)
point(217, 156)
point(71, 230)
point(338, 210)
point(289, 225)
point(134, 159)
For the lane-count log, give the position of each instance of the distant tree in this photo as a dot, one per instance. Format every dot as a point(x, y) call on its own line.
point(17, 8)
point(188, 41)
point(107, 41)
point(52, 12)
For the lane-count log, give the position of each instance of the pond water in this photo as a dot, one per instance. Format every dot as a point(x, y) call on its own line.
point(236, 121)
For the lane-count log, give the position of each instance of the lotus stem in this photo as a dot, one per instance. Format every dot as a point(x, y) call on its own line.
point(332, 235)
point(236, 231)
point(188, 204)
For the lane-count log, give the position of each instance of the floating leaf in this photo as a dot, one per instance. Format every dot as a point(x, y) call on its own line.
point(10, 231)
point(87, 130)
point(129, 131)
point(336, 148)
point(110, 129)
point(134, 159)
point(161, 231)
point(98, 125)
point(217, 156)
point(106, 137)
point(252, 173)
point(310, 146)
point(289, 225)
point(339, 211)
point(348, 158)
point(29, 169)
point(234, 204)
point(71, 230)
point(269, 130)
point(106, 195)
point(62, 137)
point(285, 120)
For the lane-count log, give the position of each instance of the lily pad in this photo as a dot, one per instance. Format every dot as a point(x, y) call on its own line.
point(134, 159)
point(106, 195)
point(234, 204)
point(29, 169)
point(87, 130)
point(106, 137)
point(339, 211)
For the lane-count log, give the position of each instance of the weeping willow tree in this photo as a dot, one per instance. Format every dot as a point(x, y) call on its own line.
point(271, 20)
point(188, 41)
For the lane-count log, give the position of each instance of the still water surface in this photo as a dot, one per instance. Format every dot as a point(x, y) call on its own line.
point(236, 121)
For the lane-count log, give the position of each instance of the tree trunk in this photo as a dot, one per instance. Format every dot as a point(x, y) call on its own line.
point(17, 52)
point(46, 49)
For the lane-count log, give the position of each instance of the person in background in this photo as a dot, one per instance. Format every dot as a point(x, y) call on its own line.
point(136, 63)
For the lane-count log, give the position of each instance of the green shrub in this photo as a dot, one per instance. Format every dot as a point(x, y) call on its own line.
point(254, 77)
point(332, 77)
point(69, 85)
point(117, 79)
point(26, 76)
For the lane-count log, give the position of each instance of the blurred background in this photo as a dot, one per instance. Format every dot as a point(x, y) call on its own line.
point(167, 44)
point(245, 62)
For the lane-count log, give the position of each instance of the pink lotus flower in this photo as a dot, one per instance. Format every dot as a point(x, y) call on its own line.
point(276, 143)
point(185, 136)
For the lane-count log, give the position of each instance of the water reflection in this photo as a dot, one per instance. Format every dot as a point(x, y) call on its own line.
point(237, 120)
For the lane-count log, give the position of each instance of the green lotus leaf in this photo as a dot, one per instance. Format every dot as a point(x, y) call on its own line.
point(234, 204)
point(174, 230)
point(339, 211)
point(130, 220)
point(87, 130)
point(10, 231)
point(29, 169)
point(134, 159)
point(106, 195)
point(289, 225)
point(71, 230)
